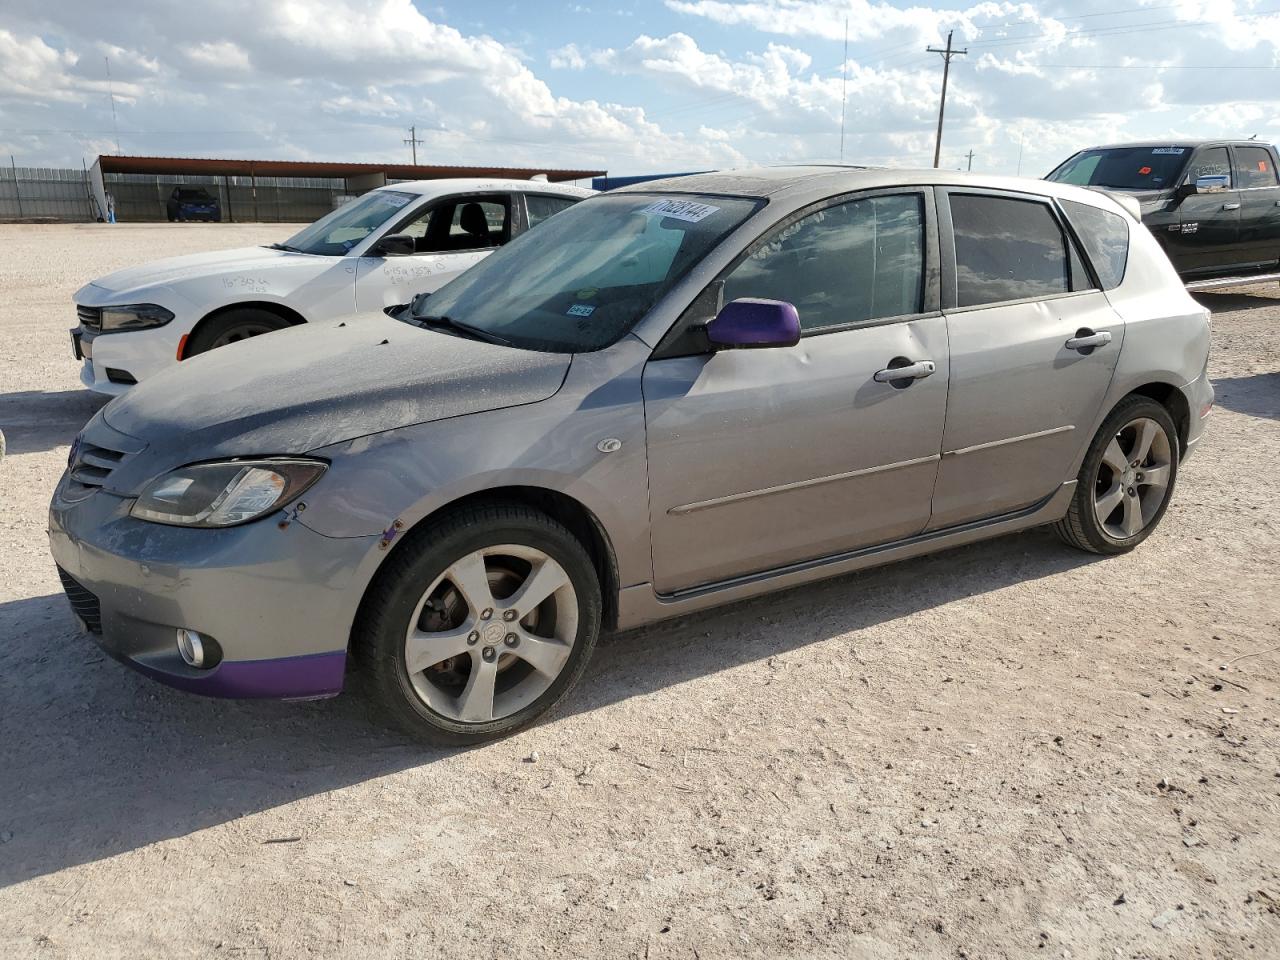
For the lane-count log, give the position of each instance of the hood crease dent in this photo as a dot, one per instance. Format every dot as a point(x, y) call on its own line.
point(305, 387)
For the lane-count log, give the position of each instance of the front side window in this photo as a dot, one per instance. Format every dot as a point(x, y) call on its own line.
point(1254, 168)
point(1210, 163)
point(334, 234)
point(587, 276)
point(541, 207)
point(856, 261)
point(1105, 236)
point(1007, 249)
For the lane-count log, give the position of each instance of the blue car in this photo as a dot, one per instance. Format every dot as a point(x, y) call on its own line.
point(193, 203)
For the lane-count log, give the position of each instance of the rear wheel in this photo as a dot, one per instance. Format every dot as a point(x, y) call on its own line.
point(1126, 480)
point(480, 625)
point(231, 327)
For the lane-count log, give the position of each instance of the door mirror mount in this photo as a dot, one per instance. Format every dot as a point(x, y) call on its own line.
point(394, 245)
point(749, 323)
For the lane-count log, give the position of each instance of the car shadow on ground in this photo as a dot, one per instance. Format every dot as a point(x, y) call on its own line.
point(1257, 396)
point(98, 761)
point(1236, 298)
point(36, 420)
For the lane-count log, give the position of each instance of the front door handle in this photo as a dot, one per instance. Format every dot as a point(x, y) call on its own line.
point(907, 371)
point(1085, 340)
point(1231, 206)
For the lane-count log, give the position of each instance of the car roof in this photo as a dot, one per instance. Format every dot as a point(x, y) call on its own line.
point(438, 188)
point(1189, 144)
point(782, 182)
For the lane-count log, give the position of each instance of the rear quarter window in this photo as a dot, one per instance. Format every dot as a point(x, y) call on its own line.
point(1105, 237)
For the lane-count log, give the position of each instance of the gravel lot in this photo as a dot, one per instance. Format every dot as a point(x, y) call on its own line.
point(1007, 750)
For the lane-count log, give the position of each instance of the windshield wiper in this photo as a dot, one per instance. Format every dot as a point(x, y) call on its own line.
point(284, 246)
point(465, 329)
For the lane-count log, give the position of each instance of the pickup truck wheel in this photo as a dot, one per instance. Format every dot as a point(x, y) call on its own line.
point(478, 625)
point(1126, 480)
point(232, 326)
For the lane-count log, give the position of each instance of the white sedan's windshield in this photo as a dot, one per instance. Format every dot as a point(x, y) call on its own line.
point(334, 234)
point(587, 275)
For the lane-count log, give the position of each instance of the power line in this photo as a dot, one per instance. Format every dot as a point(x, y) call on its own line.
point(947, 54)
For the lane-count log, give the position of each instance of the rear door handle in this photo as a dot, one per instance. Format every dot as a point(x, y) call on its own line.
point(1231, 206)
point(1085, 340)
point(910, 371)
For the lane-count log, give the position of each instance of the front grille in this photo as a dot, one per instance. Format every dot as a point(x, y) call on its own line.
point(90, 317)
point(89, 467)
point(84, 603)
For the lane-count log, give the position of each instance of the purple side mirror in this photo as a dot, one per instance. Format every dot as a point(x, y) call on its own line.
point(749, 323)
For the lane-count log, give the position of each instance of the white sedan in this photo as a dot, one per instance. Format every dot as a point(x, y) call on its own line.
point(376, 251)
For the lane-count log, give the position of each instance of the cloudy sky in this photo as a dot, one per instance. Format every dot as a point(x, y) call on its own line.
point(660, 85)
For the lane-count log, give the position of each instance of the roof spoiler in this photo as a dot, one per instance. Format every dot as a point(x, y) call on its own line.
point(1130, 204)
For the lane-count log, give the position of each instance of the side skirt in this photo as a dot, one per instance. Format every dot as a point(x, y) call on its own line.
point(640, 604)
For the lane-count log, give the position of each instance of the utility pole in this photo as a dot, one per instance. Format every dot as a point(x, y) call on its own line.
point(947, 54)
point(413, 142)
point(844, 85)
point(969, 156)
point(111, 92)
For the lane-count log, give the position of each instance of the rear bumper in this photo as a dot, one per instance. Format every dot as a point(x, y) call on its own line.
point(278, 603)
point(1199, 394)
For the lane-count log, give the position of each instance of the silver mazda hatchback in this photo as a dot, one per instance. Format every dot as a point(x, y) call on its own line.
point(668, 397)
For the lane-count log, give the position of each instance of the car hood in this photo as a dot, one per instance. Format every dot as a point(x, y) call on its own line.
point(172, 270)
point(294, 390)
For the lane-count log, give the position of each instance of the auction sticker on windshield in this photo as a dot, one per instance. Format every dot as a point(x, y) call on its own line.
point(686, 210)
point(1176, 151)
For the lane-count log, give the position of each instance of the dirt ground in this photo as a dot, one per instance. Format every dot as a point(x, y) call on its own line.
point(1007, 750)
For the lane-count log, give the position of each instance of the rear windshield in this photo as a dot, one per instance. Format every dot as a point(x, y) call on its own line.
point(1124, 168)
point(193, 194)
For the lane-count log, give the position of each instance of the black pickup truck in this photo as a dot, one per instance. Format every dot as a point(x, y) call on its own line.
point(1214, 205)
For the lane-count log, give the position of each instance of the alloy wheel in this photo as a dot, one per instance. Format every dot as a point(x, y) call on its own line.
point(492, 633)
point(1133, 478)
point(241, 331)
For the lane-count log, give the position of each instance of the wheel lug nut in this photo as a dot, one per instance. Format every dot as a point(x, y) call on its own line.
point(508, 614)
point(486, 613)
point(512, 640)
point(473, 638)
point(1133, 492)
point(489, 653)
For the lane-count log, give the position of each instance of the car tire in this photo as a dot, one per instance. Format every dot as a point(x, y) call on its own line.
point(1126, 481)
point(231, 327)
point(429, 600)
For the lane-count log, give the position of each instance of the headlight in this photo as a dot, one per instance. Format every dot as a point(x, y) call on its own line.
point(135, 316)
point(225, 493)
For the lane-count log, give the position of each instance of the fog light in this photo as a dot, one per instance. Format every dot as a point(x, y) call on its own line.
point(191, 646)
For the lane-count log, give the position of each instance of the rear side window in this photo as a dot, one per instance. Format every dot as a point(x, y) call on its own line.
point(540, 207)
point(853, 262)
point(1254, 168)
point(1105, 236)
point(1007, 250)
point(1210, 163)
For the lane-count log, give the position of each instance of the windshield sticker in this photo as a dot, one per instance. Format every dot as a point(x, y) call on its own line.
point(1172, 151)
point(394, 199)
point(1144, 170)
point(587, 293)
point(581, 310)
point(686, 210)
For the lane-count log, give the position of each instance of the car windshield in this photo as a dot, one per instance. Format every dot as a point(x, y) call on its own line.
point(1124, 168)
point(334, 234)
point(586, 276)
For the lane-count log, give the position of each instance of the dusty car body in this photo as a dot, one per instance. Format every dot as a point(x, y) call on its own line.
point(674, 396)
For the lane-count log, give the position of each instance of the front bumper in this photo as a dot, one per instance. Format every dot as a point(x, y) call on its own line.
point(277, 598)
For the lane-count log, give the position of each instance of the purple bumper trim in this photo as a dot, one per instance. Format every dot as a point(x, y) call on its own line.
point(288, 678)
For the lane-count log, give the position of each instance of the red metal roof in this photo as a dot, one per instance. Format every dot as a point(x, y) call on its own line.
point(197, 166)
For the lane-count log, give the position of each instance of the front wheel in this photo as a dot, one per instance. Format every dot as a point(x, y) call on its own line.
point(479, 625)
point(231, 327)
point(1126, 480)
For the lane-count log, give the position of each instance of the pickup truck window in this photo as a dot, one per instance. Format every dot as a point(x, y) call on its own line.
point(1210, 163)
point(1124, 168)
point(1254, 168)
point(1105, 237)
